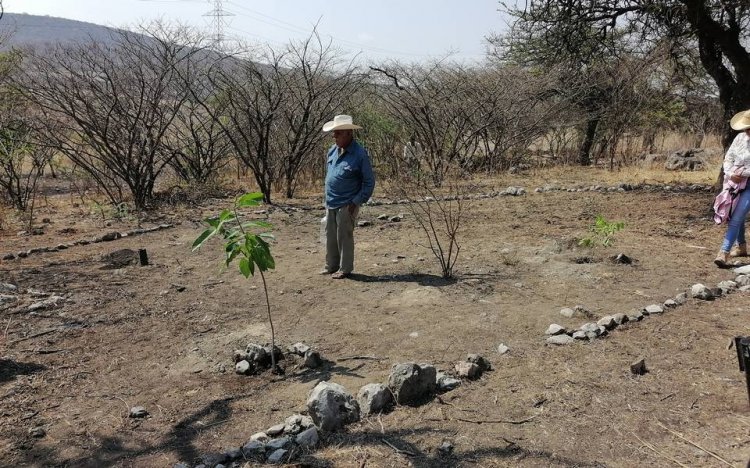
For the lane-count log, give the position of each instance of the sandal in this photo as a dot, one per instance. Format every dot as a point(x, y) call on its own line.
point(340, 275)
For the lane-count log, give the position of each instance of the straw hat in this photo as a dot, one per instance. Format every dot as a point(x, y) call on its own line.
point(344, 122)
point(741, 120)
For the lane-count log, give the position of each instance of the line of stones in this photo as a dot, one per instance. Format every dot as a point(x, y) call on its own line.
point(559, 335)
point(331, 407)
point(518, 191)
point(108, 237)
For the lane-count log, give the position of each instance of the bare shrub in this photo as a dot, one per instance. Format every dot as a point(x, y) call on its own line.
point(112, 107)
point(440, 215)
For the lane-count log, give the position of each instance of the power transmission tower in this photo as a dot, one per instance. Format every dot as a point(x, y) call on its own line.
point(219, 22)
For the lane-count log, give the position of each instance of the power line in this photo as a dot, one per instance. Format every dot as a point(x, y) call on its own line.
point(281, 24)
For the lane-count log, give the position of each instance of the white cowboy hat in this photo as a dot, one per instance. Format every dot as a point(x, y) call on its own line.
point(340, 122)
point(741, 120)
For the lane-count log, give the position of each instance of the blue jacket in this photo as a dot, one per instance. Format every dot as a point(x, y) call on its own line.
point(349, 177)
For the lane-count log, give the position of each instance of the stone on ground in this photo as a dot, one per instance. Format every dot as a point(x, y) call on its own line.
point(608, 322)
point(138, 412)
point(296, 423)
point(412, 383)
point(638, 367)
point(468, 370)
point(700, 291)
point(308, 438)
point(332, 407)
point(446, 383)
point(277, 456)
point(560, 339)
point(654, 309)
point(484, 364)
point(555, 329)
point(374, 398)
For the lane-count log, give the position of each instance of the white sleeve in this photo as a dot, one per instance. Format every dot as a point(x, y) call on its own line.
point(731, 155)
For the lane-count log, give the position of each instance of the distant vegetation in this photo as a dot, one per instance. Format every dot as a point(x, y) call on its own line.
point(133, 115)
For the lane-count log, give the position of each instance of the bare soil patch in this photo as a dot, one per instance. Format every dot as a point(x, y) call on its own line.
point(161, 337)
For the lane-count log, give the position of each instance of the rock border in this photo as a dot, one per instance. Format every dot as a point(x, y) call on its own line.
point(559, 335)
point(108, 237)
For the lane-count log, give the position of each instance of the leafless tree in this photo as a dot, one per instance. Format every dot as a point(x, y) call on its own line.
point(441, 105)
point(114, 105)
point(23, 155)
point(520, 110)
point(317, 82)
point(243, 94)
point(198, 146)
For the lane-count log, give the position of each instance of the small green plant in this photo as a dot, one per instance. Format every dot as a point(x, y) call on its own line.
point(602, 233)
point(107, 211)
point(241, 242)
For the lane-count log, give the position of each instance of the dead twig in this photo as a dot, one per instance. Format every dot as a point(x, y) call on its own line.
point(370, 358)
point(41, 333)
point(647, 445)
point(29, 416)
point(398, 450)
point(43, 351)
point(666, 397)
point(694, 444)
point(438, 398)
point(495, 421)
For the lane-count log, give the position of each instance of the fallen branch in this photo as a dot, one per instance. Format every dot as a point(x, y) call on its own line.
point(41, 333)
point(495, 421)
point(370, 358)
point(43, 351)
point(398, 450)
point(694, 444)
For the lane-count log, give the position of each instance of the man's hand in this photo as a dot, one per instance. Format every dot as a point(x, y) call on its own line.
point(352, 209)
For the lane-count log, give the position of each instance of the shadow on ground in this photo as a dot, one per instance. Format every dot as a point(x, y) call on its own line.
point(422, 280)
point(9, 369)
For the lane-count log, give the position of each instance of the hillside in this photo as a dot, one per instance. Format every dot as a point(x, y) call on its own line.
point(32, 30)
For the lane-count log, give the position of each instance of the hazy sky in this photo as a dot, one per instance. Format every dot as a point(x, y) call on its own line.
point(409, 30)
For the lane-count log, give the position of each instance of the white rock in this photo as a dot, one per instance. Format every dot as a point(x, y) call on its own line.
point(567, 312)
point(608, 322)
point(654, 309)
point(242, 367)
point(700, 291)
point(555, 329)
point(620, 318)
point(560, 339)
point(580, 335)
point(502, 349)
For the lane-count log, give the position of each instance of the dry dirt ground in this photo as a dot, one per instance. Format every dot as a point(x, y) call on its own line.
point(159, 336)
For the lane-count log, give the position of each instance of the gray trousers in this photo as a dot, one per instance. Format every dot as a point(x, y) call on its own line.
point(340, 240)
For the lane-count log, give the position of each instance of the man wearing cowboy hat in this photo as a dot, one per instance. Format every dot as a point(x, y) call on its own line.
point(349, 183)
